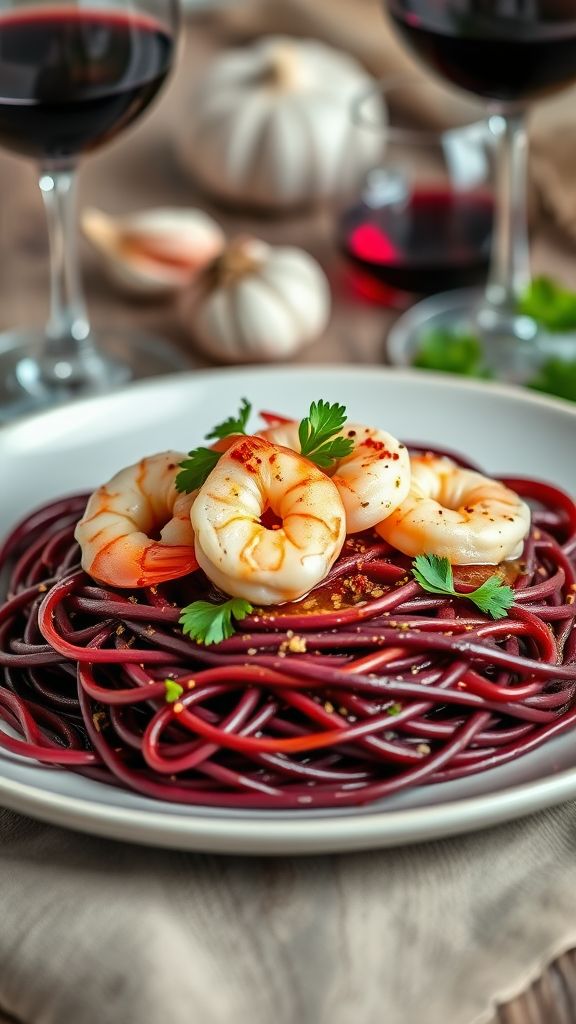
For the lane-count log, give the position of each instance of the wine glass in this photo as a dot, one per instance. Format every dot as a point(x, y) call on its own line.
point(422, 221)
point(509, 52)
point(72, 77)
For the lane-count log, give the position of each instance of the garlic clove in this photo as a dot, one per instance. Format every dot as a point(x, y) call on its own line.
point(154, 252)
point(256, 302)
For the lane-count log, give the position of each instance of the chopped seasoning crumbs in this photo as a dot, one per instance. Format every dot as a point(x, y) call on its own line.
point(297, 644)
point(99, 720)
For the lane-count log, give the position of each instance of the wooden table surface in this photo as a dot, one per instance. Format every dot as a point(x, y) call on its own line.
point(142, 170)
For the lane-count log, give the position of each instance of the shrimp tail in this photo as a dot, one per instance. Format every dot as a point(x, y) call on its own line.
point(161, 562)
point(274, 419)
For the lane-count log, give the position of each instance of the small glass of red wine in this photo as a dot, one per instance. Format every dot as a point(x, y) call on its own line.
point(72, 77)
point(423, 221)
point(509, 53)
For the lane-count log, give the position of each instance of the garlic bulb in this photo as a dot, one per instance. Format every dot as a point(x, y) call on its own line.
point(153, 252)
point(256, 302)
point(272, 124)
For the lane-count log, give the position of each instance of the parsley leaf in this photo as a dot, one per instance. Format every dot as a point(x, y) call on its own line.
point(316, 434)
point(556, 377)
point(550, 304)
point(208, 623)
point(493, 597)
point(233, 425)
point(173, 691)
point(451, 352)
point(434, 574)
point(196, 469)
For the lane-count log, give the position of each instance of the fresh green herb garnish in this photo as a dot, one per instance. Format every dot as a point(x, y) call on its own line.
point(196, 469)
point(434, 574)
point(316, 434)
point(451, 352)
point(556, 377)
point(208, 623)
point(233, 425)
point(173, 691)
point(551, 304)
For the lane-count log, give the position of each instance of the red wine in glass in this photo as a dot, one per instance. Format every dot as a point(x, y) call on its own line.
point(510, 52)
point(71, 79)
point(506, 50)
point(436, 238)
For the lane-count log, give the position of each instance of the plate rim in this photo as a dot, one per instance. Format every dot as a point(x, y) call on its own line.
point(249, 835)
point(246, 833)
point(513, 392)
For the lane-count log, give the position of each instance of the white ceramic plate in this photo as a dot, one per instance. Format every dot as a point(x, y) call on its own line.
point(504, 429)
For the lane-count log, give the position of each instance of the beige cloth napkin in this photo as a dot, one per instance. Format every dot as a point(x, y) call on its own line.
point(98, 932)
point(360, 27)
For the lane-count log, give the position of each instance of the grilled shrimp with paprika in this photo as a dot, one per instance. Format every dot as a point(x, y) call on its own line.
point(243, 556)
point(372, 480)
point(458, 514)
point(136, 528)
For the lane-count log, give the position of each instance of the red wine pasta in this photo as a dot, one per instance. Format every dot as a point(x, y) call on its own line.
point(367, 686)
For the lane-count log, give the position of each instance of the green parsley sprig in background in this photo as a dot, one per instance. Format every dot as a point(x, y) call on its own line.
point(556, 377)
point(434, 574)
point(550, 304)
point(452, 352)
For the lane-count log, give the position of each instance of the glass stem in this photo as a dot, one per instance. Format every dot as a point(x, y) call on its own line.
point(510, 265)
point(68, 343)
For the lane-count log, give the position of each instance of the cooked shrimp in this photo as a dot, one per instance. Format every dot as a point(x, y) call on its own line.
point(136, 529)
point(241, 555)
point(372, 480)
point(457, 514)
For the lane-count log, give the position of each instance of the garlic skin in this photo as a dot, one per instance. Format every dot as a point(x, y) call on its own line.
point(272, 125)
point(257, 303)
point(154, 252)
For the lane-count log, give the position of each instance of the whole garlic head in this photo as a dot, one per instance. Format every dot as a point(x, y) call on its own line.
point(272, 125)
point(153, 252)
point(256, 302)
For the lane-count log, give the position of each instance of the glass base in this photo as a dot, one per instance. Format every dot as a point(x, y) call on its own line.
point(28, 386)
point(514, 349)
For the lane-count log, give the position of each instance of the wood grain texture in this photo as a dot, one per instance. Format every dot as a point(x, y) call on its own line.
point(142, 171)
point(550, 1000)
